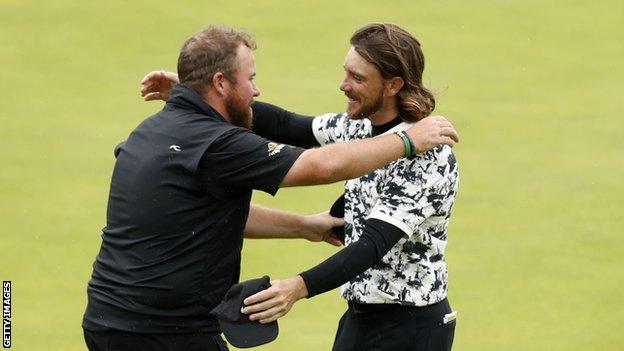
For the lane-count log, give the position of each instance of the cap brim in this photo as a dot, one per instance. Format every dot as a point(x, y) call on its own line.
point(244, 335)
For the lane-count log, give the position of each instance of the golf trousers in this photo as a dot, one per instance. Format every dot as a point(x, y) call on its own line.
point(380, 327)
point(124, 341)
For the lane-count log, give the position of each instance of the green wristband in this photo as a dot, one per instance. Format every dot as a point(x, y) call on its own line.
point(411, 143)
point(407, 143)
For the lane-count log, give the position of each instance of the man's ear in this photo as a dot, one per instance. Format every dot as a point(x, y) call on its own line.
point(220, 83)
point(393, 86)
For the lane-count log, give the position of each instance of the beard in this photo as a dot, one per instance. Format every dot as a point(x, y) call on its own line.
point(367, 109)
point(239, 111)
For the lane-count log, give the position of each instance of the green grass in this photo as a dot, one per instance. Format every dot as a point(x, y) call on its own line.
point(536, 244)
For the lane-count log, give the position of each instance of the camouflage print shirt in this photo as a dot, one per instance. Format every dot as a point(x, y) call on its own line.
point(414, 194)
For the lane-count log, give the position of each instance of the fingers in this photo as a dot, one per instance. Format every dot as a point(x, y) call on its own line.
point(333, 240)
point(261, 306)
point(446, 141)
point(173, 77)
point(152, 96)
point(260, 296)
point(153, 75)
point(269, 315)
point(450, 132)
point(265, 306)
point(444, 128)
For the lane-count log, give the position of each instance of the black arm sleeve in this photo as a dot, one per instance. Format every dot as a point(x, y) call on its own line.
point(277, 124)
point(376, 240)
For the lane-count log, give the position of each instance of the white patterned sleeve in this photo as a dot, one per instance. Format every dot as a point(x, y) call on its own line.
point(330, 128)
point(416, 189)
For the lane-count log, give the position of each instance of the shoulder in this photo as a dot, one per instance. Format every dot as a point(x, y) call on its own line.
point(332, 127)
point(330, 120)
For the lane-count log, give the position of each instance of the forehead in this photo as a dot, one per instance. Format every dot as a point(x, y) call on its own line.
point(245, 58)
point(357, 64)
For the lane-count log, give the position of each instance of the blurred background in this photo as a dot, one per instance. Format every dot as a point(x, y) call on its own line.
point(536, 246)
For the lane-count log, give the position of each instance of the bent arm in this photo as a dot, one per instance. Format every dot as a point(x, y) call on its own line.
point(377, 239)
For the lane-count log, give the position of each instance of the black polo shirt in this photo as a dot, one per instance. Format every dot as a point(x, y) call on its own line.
point(178, 203)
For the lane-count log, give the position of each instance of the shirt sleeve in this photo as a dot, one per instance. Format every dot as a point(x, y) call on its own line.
point(330, 128)
point(275, 123)
point(377, 239)
point(417, 188)
point(240, 158)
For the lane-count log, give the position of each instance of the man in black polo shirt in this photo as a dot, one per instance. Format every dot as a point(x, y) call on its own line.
point(179, 202)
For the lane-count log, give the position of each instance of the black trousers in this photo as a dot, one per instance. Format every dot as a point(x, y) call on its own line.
point(124, 341)
point(395, 327)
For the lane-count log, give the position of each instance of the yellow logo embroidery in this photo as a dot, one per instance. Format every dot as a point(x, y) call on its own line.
point(274, 148)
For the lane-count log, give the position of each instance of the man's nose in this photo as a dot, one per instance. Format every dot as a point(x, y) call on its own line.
point(344, 86)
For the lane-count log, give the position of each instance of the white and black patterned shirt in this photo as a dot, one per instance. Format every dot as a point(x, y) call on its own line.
point(414, 194)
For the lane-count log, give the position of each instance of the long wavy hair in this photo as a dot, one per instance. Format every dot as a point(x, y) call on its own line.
point(396, 53)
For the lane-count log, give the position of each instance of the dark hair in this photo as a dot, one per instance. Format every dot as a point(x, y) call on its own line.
point(210, 51)
point(396, 53)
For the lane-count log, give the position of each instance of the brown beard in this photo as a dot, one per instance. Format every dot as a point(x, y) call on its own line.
point(370, 108)
point(238, 111)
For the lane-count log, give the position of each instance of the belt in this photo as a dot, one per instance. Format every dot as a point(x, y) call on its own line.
point(359, 308)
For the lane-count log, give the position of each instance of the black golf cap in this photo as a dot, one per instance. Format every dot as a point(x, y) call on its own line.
point(236, 326)
point(337, 210)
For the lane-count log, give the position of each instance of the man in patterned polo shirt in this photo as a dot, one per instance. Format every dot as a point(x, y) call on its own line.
point(393, 267)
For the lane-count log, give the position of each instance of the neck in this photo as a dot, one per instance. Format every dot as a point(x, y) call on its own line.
point(217, 102)
point(386, 113)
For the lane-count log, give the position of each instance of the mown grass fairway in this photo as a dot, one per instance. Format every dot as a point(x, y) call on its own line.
point(533, 87)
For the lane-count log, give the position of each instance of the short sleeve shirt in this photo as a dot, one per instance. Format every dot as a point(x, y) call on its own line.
point(177, 208)
point(242, 159)
point(414, 194)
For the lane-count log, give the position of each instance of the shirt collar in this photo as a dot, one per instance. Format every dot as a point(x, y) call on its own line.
point(187, 98)
point(377, 130)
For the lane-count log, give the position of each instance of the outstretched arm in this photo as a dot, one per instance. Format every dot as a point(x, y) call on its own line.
point(377, 239)
point(264, 223)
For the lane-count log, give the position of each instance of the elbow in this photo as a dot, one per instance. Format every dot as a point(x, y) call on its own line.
point(313, 167)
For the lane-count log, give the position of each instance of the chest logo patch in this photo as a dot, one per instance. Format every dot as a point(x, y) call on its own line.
point(175, 147)
point(274, 148)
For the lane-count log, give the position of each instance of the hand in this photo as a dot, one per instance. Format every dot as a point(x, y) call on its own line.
point(431, 132)
point(157, 85)
point(270, 304)
point(318, 227)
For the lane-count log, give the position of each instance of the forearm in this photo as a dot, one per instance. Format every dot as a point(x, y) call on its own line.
point(264, 223)
point(342, 161)
point(377, 239)
point(275, 123)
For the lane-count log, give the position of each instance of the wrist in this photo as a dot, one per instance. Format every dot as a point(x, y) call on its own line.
point(303, 226)
point(302, 289)
point(409, 149)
